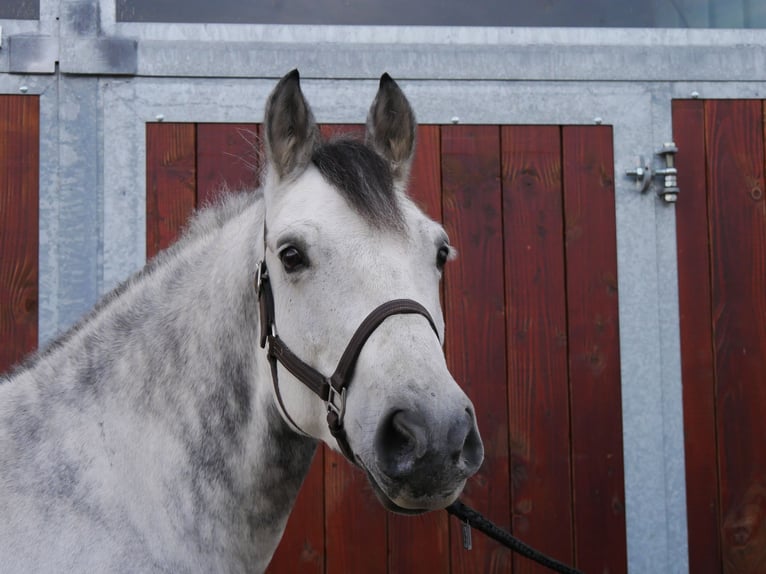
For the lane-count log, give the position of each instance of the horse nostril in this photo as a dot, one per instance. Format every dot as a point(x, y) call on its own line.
point(467, 448)
point(473, 451)
point(400, 442)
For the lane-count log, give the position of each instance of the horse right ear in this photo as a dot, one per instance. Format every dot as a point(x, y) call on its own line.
point(291, 132)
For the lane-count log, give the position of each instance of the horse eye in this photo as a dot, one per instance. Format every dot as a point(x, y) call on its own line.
point(292, 259)
point(442, 256)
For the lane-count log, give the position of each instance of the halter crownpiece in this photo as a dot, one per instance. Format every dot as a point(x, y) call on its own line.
point(332, 390)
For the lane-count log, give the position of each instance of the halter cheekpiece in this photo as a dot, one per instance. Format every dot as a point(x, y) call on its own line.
point(332, 389)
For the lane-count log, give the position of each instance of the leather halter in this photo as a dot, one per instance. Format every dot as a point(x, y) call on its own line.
point(332, 389)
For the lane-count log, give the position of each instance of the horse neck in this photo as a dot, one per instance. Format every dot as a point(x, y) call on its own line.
point(170, 374)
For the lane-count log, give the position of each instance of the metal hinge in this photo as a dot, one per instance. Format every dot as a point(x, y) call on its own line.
point(644, 173)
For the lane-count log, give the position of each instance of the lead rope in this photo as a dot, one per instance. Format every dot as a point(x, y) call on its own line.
point(471, 518)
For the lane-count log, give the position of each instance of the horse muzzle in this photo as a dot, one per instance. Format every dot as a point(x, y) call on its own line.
point(422, 465)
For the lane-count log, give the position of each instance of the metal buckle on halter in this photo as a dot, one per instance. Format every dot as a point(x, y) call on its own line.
point(336, 403)
point(261, 276)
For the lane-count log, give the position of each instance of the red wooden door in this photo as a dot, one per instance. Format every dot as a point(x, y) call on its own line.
point(532, 334)
point(19, 183)
point(721, 229)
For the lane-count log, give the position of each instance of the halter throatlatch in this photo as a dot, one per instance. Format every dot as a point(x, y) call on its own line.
point(332, 390)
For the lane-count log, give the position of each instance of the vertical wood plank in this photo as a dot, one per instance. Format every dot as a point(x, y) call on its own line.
point(302, 548)
point(356, 523)
point(425, 186)
point(734, 141)
point(170, 182)
point(538, 397)
point(19, 194)
point(697, 365)
point(594, 354)
point(421, 543)
point(228, 158)
point(475, 343)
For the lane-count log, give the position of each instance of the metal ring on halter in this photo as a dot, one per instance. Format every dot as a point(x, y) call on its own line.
point(331, 401)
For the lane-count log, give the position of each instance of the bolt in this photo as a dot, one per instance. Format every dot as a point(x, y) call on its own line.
point(670, 197)
point(159, 117)
point(597, 120)
point(23, 89)
point(695, 94)
point(455, 120)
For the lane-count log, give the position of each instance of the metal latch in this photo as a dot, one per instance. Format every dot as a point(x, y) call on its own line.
point(645, 174)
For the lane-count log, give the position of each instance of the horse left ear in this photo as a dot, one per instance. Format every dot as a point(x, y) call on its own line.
point(291, 132)
point(391, 127)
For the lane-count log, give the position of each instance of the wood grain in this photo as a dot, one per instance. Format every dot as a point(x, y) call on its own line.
point(19, 214)
point(170, 182)
point(594, 351)
point(302, 548)
point(735, 173)
point(697, 363)
point(536, 320)
point(475, 341)
point(421, 543)
point(228, 158)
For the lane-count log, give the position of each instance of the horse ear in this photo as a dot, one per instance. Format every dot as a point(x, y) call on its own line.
point(291, 132)
point(391, 127)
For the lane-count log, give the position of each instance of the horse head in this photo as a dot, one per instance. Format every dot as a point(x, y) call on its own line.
point(342, 238)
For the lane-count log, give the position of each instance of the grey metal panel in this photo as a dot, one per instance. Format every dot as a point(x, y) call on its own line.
point(443, 61)
point(33, 54)
point(79, 198)
point(670, 347)
point(124, 180)
point(98, 56)
point(444, 35)
point(80, 17)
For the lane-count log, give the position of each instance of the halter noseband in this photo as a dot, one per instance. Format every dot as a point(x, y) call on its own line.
point(332, 390)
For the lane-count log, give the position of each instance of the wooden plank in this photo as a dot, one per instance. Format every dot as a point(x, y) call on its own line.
point(425, 186)
point(536, 322)
point(475, 341)
point(735, 170)
point(19, 195)
point(594, 352)
point(228, 158)
point(697, 365)
point(421, 543)
point(170, 182)
point(355, 522)
point(302, 548)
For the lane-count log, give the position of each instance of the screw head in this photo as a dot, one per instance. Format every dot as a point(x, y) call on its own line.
point(159, 117)
point(455, 120)
point(23, 89)
point(598, 121)
point(695, 94)
point(670, 197)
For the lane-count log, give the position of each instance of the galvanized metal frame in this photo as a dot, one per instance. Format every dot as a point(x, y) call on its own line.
point(100, 81)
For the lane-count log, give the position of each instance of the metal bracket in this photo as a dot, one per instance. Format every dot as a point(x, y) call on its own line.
point(38, 54)
point(645, 174)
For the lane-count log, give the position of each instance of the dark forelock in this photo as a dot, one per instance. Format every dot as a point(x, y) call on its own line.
point(363, 178)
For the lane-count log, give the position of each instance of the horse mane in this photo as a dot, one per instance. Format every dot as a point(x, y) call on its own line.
point(363, 178)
